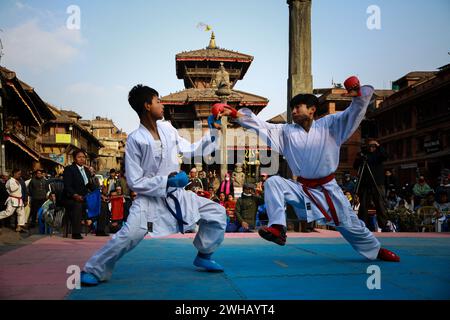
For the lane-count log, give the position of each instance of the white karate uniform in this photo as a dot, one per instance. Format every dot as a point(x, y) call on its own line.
point(147, 166)
point(14, 203)
point(315, 155)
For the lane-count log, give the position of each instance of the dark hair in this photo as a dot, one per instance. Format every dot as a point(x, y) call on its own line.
point(139, 95)
point(14, 171)
point(309, 99)
point(112, 171)
point(76, 152)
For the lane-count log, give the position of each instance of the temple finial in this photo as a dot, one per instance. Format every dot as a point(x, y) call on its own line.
point(212, 41)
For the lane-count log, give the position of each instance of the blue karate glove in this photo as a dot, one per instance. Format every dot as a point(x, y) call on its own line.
point(180, 180)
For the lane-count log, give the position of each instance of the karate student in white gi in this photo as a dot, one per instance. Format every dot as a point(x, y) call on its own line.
point(152, 171)
point(14, 203)
point(311, 148)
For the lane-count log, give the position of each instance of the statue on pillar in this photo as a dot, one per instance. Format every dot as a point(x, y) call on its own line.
point(221, 81)
point(238, 176)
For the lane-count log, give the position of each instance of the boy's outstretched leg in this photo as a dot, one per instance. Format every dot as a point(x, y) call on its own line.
point(210, 234)
point(100, 266)
point(364, 242)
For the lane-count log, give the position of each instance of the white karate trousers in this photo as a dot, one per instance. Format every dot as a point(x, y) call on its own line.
point(210, 235)
point(279, 191)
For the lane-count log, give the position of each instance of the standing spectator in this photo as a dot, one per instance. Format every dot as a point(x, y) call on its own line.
point(259, 190)
point(15, 203)
point(126, 195)
point(117, 208)
point(369, 190)
point(204, 180)
point(24, 182)
point(213, 181)
point(96, 181)
point(112, 182)
point(4, 176)
point(104, 216)
point(246, 208)
point(226, 186)
point(77, 184)
point(421, 189)
point(390, 182)
point(38, 194)
point(195, 183)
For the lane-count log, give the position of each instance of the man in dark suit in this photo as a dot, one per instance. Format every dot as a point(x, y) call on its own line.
point(77, 184)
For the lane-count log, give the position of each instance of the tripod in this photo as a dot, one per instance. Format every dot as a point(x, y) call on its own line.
point(364, 172)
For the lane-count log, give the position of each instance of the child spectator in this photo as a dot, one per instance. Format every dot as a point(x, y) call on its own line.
point(117, 208)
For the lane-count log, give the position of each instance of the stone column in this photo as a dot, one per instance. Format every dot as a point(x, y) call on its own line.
point(300, 77)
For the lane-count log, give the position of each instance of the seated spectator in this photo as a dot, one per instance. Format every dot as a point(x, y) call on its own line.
point(348, 194)
point(443, 205)
point(348, 184)
point(429, 200)
point(262, 219)
point(421, 189)
point(410, 204)
point(355, 204)
point(392, 200)
point(230, 206)
point(404, 219)
point(222, 199)
point(50, 203)
point(444, 187)
point(247, 207)
point(213, 196)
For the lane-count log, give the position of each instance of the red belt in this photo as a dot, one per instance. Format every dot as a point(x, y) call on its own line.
point(314, 183)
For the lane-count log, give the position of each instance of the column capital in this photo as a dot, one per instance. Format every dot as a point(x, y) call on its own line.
point(291, 1)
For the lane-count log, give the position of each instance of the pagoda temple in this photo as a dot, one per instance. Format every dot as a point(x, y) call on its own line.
point(203, 72)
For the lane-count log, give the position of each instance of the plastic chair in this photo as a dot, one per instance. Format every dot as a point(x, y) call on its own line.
point(428, 216)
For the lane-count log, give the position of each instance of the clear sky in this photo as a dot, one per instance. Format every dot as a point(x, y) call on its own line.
point(121, 43)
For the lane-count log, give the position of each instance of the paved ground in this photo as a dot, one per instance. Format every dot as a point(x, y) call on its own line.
point(311, 266)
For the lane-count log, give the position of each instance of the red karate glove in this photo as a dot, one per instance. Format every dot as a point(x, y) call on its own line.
point(204, 194)
point(353, 87)
point(219, 108)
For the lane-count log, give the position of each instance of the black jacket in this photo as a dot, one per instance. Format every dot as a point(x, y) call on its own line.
point(375, 161)
point(37, 189)
point(73, 182)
